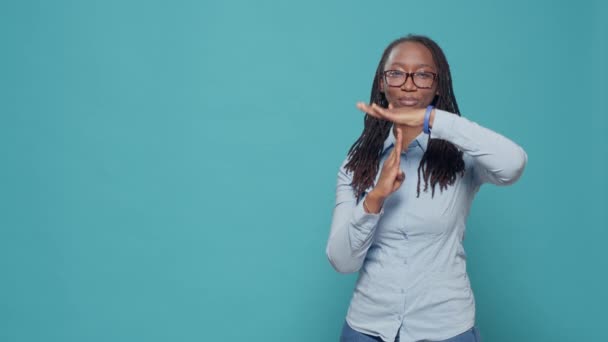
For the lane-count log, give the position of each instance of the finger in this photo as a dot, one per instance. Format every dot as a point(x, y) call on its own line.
point(361, 105)
point(378, 109)
point(397, 156)
point(399, 139)
point(386, 114)
point(398, 181)
point(390, 106)
point(393, 157)
point(396, 152)
point(397, 148)
point(372, 110)
point(375, 110)
point(368, 110)
point(387, 166)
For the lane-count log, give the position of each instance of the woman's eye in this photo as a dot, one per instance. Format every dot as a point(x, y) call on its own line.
point(424, 75)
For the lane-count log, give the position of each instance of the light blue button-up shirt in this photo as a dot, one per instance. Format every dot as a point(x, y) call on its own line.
point(410, 257)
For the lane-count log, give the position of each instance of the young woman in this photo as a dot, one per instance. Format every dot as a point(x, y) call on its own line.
point(402, 200)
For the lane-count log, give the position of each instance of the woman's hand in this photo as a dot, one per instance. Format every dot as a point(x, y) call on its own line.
point(390, 179)
point(408, 116)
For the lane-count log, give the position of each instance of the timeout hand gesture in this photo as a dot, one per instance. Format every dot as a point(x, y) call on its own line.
point(390, 179)
point(391, 176)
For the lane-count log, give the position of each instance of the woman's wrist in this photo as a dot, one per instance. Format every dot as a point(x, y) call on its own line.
point(373, 202)
point(426, 128)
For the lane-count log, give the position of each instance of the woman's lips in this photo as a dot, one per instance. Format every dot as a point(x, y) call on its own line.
point(407, 101)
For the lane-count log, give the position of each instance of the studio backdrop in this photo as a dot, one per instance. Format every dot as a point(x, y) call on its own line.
point(168, 168)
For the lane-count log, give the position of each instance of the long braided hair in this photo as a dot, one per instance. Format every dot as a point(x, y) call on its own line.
point(441, 162)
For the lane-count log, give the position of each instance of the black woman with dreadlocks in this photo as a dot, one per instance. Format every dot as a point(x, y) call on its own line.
point(403, 196)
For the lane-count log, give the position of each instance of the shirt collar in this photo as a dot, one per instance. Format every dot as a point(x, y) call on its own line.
point(420, 141)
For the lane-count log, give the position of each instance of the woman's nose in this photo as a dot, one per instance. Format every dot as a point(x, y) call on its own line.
point(408, 85)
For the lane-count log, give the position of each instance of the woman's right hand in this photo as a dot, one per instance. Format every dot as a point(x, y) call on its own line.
point(391, 177)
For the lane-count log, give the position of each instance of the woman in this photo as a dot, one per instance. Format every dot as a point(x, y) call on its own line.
point(402, 199)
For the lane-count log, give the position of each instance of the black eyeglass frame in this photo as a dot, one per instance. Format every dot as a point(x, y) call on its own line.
point(407, 75)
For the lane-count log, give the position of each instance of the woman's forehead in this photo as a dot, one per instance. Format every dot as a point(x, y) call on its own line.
point(410, 54)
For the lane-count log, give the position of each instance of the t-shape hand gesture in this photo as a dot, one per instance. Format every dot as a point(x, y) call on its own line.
point(390, 179)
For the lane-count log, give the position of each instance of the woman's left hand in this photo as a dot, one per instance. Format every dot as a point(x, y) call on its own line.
point(413, 117)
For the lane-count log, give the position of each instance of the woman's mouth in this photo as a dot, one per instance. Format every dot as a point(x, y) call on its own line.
point(407, 101)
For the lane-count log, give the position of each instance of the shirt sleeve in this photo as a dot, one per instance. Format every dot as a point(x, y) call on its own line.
point(352, 229)
point(498, 160)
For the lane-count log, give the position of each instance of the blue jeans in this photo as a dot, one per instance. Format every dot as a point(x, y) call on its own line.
point(351, 335)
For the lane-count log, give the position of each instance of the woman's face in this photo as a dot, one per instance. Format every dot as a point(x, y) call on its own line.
point(410, 57)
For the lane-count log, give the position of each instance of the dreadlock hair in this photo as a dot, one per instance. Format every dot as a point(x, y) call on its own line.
point(441, 162)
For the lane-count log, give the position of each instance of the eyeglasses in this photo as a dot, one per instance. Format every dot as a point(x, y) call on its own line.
point(421, 79)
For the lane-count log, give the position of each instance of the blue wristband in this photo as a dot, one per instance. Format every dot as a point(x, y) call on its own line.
point(427, 116)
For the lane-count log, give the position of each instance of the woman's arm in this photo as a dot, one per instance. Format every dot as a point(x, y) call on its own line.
point(352, 228)
point(353, 225)
point(498, 160)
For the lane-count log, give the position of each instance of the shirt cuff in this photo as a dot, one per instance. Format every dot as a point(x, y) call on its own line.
point(363, 219)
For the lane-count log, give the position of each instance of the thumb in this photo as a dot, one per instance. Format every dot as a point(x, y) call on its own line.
point(390, 106)
point(401, 176)
point(398, 181)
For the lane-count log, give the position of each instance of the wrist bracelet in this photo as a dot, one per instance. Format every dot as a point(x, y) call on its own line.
point(427, 116)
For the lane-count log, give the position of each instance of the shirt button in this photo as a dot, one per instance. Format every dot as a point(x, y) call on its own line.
point(405, 261)
point(402, 291)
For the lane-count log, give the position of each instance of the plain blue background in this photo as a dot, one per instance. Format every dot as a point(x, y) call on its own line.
point(168, 167)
